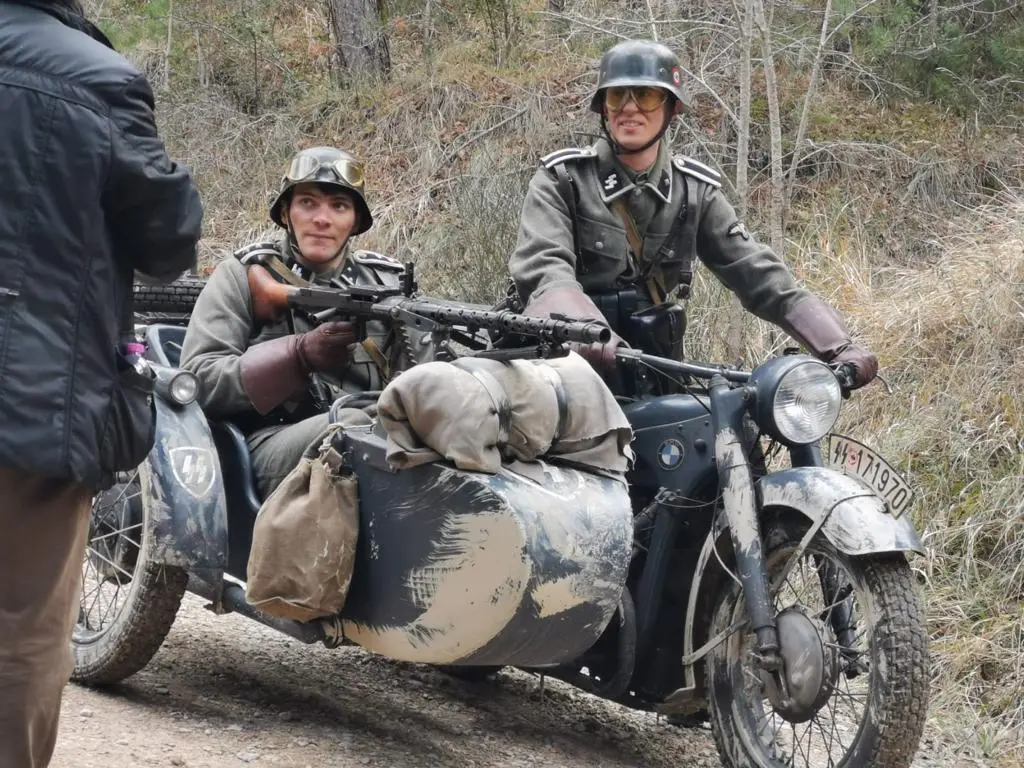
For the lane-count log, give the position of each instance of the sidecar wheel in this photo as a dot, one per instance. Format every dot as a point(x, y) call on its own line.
point(864, 703)
point(127, 604)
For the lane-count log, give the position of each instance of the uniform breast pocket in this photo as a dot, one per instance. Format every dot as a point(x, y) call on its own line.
point(603, 252)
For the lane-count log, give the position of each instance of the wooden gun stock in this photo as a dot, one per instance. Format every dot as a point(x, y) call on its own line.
point(269, 297)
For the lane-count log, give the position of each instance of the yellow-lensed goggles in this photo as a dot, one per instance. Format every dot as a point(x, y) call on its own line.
point(306, 168)
point(647, 98)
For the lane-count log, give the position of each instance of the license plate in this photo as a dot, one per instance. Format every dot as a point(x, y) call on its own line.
point(846, 455)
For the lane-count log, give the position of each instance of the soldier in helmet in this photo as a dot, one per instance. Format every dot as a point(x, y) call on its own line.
point(272, 371)
point(610, 231)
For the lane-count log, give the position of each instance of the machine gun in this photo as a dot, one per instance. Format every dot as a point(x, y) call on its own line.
point(446, 321)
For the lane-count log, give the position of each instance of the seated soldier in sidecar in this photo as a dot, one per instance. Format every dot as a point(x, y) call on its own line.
point(271, 372)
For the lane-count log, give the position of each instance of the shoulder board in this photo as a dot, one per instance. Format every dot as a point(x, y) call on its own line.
point(562, 155)
point(698, 170)
point(254, 252)
point(374, 259)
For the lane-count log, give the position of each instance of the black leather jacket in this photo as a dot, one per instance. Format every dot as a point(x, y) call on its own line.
point(88, 196)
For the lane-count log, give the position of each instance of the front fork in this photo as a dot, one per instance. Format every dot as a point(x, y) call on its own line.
point(728, 407)
point(841, 606)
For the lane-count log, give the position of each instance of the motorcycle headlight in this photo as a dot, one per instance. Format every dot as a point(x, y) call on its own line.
point(176, 386)
point(183, 388)
point(798, 398)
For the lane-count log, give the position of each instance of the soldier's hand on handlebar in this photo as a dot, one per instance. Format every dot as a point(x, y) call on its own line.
point(856, 367)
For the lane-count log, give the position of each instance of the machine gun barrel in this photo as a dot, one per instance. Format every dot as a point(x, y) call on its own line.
point(392, 304)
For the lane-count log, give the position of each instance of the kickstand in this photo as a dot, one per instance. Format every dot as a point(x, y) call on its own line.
point(542, 679)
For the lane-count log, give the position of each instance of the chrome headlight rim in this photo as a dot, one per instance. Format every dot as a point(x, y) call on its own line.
point(176, 386)
point(771, 379)
point(183, 388)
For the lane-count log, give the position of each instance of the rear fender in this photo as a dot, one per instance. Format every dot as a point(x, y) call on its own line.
point(183, 491)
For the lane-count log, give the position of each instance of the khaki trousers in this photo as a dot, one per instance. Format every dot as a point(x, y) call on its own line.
point(44, 523)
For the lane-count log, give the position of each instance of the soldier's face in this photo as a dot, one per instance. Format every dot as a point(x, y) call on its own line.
point(633, 127)
point(322, 222)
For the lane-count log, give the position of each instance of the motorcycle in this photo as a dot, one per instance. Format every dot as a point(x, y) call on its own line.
point(752, 571)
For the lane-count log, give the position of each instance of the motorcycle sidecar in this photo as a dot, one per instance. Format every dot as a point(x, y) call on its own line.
point(525, 567)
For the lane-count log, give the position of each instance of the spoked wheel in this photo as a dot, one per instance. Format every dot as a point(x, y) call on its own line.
point(127, 604)
point(853, 642)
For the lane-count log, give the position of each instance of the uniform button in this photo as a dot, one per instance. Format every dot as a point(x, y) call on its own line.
point(670, 255)
point(599, 245)
point(637, 192)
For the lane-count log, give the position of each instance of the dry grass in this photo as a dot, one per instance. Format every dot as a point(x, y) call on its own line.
point(950, 337)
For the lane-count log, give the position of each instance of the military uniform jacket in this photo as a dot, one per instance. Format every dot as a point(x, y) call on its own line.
point(222, 327)
point(710, 230)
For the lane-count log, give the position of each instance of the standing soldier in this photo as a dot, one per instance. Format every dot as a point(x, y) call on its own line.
point(610, 232)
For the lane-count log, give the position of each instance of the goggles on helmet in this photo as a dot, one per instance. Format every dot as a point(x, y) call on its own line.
point(306, 168)
point(646, 97)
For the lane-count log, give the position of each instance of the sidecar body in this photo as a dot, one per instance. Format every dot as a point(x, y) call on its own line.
point(525, 567)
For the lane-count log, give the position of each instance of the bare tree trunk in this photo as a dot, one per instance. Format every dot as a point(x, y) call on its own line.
point(933, 23)
point(428, 36)
point(170, 41)
point(775, 130)
point(734, 335)
point(801, 131)
point(559, 26)
point(359, 37)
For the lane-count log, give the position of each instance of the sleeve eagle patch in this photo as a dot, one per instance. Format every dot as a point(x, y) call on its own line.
point(698, 170)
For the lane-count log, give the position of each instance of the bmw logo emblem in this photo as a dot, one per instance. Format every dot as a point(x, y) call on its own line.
point(670, 454)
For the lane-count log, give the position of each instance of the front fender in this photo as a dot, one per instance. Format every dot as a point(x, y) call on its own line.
point(858, 522)
point(183, 491)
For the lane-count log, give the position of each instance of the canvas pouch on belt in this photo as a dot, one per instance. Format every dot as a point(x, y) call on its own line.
point(304, 540)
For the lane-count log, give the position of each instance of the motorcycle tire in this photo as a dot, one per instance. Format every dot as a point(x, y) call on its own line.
point(177, 298)
point(113, 639)
point(755, 727)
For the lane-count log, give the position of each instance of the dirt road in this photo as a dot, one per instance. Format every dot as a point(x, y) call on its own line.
point(225, 691)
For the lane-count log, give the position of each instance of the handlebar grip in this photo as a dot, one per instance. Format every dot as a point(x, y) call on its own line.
point(847, 375)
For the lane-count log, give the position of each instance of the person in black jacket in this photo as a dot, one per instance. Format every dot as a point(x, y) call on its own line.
point(88, 199)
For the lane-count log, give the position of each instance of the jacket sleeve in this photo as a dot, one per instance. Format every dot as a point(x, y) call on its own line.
point(218, 333)
point(151, 202)
point(544, 254)
point(764, 284)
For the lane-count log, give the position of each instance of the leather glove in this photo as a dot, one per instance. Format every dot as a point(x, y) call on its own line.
point(569, 299)
point(819, 328)
point(326, 349)
point(278, 370)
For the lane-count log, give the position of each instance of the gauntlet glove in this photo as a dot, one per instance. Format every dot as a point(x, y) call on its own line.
point(818, 327)
point(278, 370)
point(570, 300)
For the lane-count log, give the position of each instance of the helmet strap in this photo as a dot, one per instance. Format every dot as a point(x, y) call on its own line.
point(293, 257)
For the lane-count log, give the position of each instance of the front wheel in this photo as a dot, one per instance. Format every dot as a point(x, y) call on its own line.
point(853, 641)
point(128, 603)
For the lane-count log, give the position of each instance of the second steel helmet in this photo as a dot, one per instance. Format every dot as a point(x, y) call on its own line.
point(325, 165)
point(639, 62)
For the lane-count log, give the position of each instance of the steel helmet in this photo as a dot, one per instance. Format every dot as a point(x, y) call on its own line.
point(325, 165)
point(639, 62)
